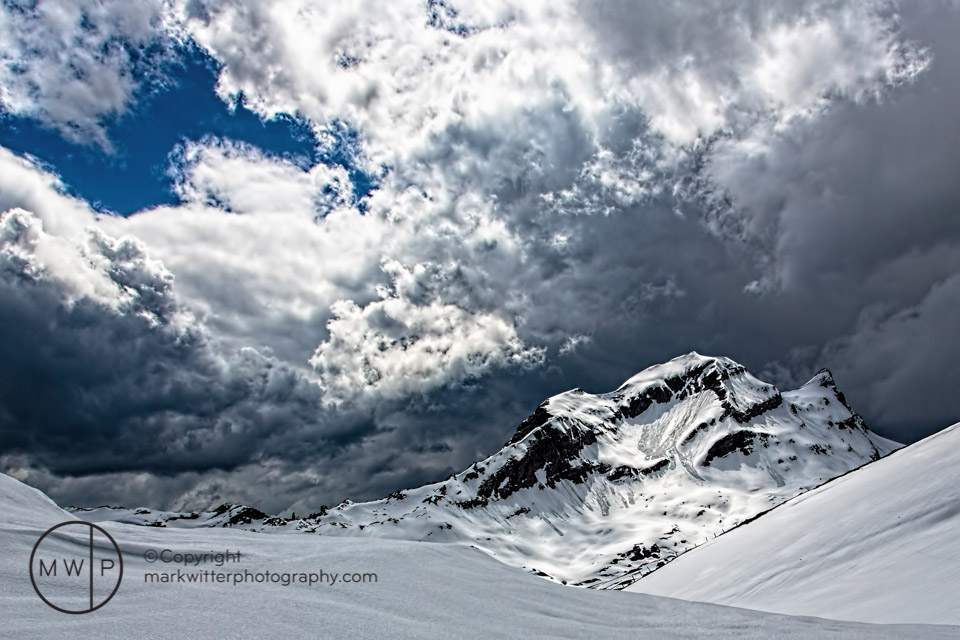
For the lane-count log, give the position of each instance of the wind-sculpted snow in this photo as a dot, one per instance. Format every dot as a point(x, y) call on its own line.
point(420, 591)
point(599, 490)
point(879, 544)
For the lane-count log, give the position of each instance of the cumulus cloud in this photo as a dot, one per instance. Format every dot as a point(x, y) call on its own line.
point(241, 179)
point(692, 68)
point(74, 65)
point(112, 365)
point(397, 346)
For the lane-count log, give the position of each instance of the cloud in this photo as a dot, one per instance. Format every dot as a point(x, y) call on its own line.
point(906, 360)
point(241, 179)
point(74, 65)
point(397, 346)
point(112, 365)
point(116, 364)
point(855, 215)
point(692, 68)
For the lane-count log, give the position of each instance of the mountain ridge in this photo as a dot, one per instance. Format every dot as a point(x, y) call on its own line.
point(599, 489)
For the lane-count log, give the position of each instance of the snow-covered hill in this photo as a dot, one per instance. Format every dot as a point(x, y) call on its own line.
point(421, 591)
point(881, 544)
point(598, 490)
point(226, 515)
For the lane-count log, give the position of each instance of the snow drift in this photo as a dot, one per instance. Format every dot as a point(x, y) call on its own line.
point(881, 544)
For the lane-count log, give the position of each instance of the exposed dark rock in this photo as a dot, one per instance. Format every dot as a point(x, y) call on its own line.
point(755, 411)
point(539, 418)
point(742, 441)
point(654, 468)
point(623, 471)
point(318, 514)
point(438, 496)
point(246, 515)
point(639, 552)
point(827, 382)
point(693, 434)
point(642, 402)
point(551, 449)
point(626, 471)
point(185, 516)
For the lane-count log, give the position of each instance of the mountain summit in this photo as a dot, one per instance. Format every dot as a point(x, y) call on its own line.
point(600, 490)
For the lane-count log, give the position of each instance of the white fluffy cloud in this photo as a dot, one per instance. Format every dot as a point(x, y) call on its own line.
point(395, 346)
point(281, 257)
point(243, 180)
point(115, 273)
point(496, 115)
point(396, 70)
point(74, 64)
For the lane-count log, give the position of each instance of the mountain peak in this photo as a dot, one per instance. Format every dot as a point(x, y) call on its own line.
point(687, 374)
point(679, 366)
point(824, 379)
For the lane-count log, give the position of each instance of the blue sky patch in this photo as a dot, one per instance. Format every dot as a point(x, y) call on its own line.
point(184, 107)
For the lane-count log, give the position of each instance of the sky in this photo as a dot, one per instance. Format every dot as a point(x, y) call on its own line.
point(294, 252)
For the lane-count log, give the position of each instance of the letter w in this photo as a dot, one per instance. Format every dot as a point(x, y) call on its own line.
point(72, 566)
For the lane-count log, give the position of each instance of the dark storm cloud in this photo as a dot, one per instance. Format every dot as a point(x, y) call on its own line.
point(867, 216)
point(93, 385)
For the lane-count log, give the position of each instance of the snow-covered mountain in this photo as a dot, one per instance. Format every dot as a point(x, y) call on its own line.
point(880, 544)
point(421, 591)
point(599, 490)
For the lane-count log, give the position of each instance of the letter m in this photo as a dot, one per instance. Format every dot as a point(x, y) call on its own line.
point(44, 571)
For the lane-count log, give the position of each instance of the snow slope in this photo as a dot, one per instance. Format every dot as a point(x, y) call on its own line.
point(880, 544)
point(598, 490)
point(422, 591)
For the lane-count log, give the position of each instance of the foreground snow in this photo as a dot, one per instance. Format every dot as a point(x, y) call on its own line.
point(880, 544)
point(423, 590)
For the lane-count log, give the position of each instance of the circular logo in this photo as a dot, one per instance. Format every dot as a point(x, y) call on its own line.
point(78, 569)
